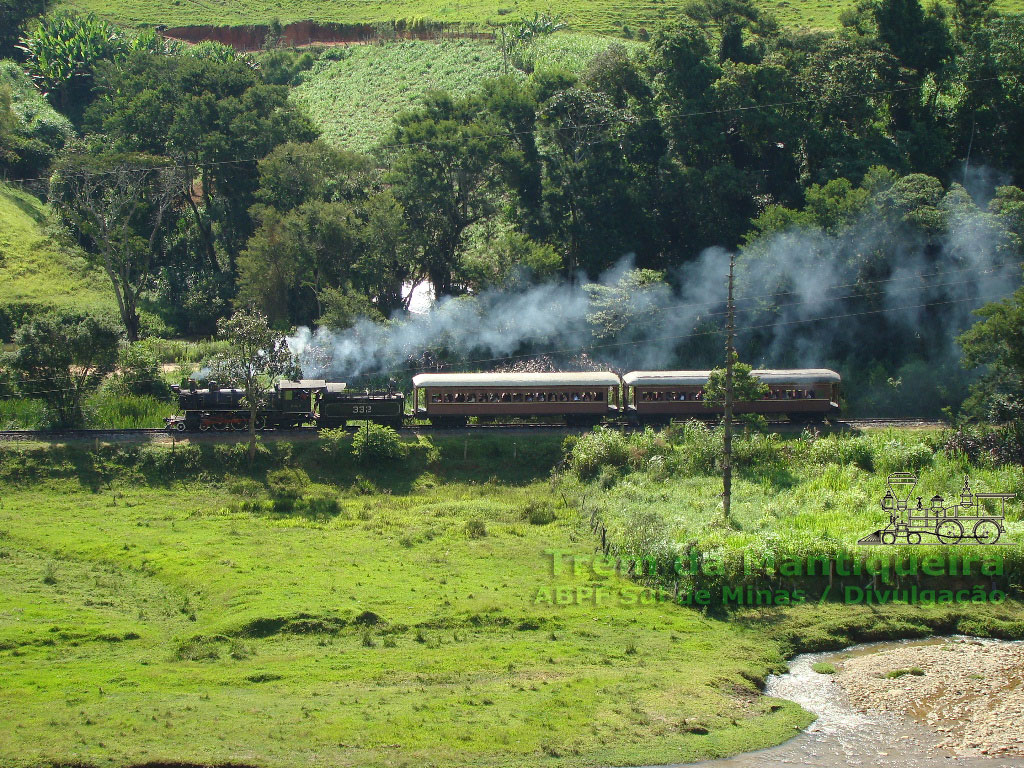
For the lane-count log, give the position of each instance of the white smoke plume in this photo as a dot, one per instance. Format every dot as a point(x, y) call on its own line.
point(802, 295)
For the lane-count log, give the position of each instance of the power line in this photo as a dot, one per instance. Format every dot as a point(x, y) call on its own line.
point(674, 307)
point(500, 134)
point(608, 345)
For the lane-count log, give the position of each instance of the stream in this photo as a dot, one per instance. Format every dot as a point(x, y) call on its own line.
point(842, 736)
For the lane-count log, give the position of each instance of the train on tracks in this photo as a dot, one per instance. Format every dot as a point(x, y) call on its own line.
point(454, 399)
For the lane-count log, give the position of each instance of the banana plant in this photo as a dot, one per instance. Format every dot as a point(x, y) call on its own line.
point(64, 48)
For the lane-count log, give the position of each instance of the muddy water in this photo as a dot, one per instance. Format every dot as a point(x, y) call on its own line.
point(841, 737)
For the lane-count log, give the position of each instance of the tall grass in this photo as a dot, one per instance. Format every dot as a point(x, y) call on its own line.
point(110, 410)
point(22, 413)
point(182, 351)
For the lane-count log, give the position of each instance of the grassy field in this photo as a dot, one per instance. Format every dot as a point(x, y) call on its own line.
point(605, 16)
point(37, 271)
point(354, 99)
point(792, 498)
point(163, 607)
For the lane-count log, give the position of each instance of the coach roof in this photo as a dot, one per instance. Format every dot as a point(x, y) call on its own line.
point(699, 378)
point(566, 379)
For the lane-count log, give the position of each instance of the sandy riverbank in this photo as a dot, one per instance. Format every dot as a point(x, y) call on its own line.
point(971, 692)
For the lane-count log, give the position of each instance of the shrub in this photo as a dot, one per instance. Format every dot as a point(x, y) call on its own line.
point(538, 512)
point(138, 371)
point(601, 448)
point(323, 505)
point(647, 445)
point(891, 454)
point(287, 484)
point(758, 453)
point(916, 671)
point(700, 449)
point(476, 529)
point(842, 449)
point(375, 442)
point(335, 442)
point(823, 668)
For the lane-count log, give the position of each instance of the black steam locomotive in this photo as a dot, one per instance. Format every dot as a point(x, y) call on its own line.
point(309, 402)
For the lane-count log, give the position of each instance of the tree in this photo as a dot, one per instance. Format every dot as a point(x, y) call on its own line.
point(210, 113)
point(445, 175)
point(745, 386)
point(256, 357)
point(61, 358)
point(996, 342)
point(118, 205)
point(628, 307)
point(13, 16)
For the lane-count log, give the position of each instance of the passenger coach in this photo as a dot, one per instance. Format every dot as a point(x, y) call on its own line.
point(807, 394)
point(449, 399)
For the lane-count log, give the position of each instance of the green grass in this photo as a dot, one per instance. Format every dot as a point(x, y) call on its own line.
point(894, 673)
point(192, 623)
point(606, 16)
point(353, 100)
point(154, 607)
point(823, 668)
point(35, 270)
point(791, 498)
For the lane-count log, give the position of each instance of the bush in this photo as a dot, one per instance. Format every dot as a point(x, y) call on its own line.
point(335, 442)
point(323, 505)
point(700, 449)
point(601, 448)
point(138, 371)
point(890, 453)
point(647, 445)
point(538, 512)
point(476, 529)
point(287, 484)
point(375, 442)
point(842, 449)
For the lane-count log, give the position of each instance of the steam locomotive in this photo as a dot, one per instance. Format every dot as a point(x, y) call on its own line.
point(308, 402)
point(452, 399)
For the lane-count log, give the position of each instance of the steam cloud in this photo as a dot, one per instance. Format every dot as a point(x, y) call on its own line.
point(785, 284)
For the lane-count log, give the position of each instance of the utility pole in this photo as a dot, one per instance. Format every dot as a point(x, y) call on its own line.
point(730, 356)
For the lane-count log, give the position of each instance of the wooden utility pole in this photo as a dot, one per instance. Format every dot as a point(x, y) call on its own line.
point(730, 356)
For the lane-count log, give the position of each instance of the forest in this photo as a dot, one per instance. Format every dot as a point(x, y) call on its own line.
point(863, 175)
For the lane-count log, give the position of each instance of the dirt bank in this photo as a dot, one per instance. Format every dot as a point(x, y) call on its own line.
point(253, 37)
point(970, 692)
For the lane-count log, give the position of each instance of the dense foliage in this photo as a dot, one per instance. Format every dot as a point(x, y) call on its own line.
point(839, 164)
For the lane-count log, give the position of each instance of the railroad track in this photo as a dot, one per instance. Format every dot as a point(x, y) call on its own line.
point(149, 434)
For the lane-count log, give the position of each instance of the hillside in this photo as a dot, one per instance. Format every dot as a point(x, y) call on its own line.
point(353, 93)
point(606, 16)
point(37, 271)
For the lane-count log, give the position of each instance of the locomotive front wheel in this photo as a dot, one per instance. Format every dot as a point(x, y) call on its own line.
point(987, 532)
point(220, 426)
point(888, 537)
point(204, 426)
point(179, 426)
point(260, 423)
point(950, 531)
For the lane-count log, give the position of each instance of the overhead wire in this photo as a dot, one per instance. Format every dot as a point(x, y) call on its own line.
point(712, 302)
point(647, 340)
